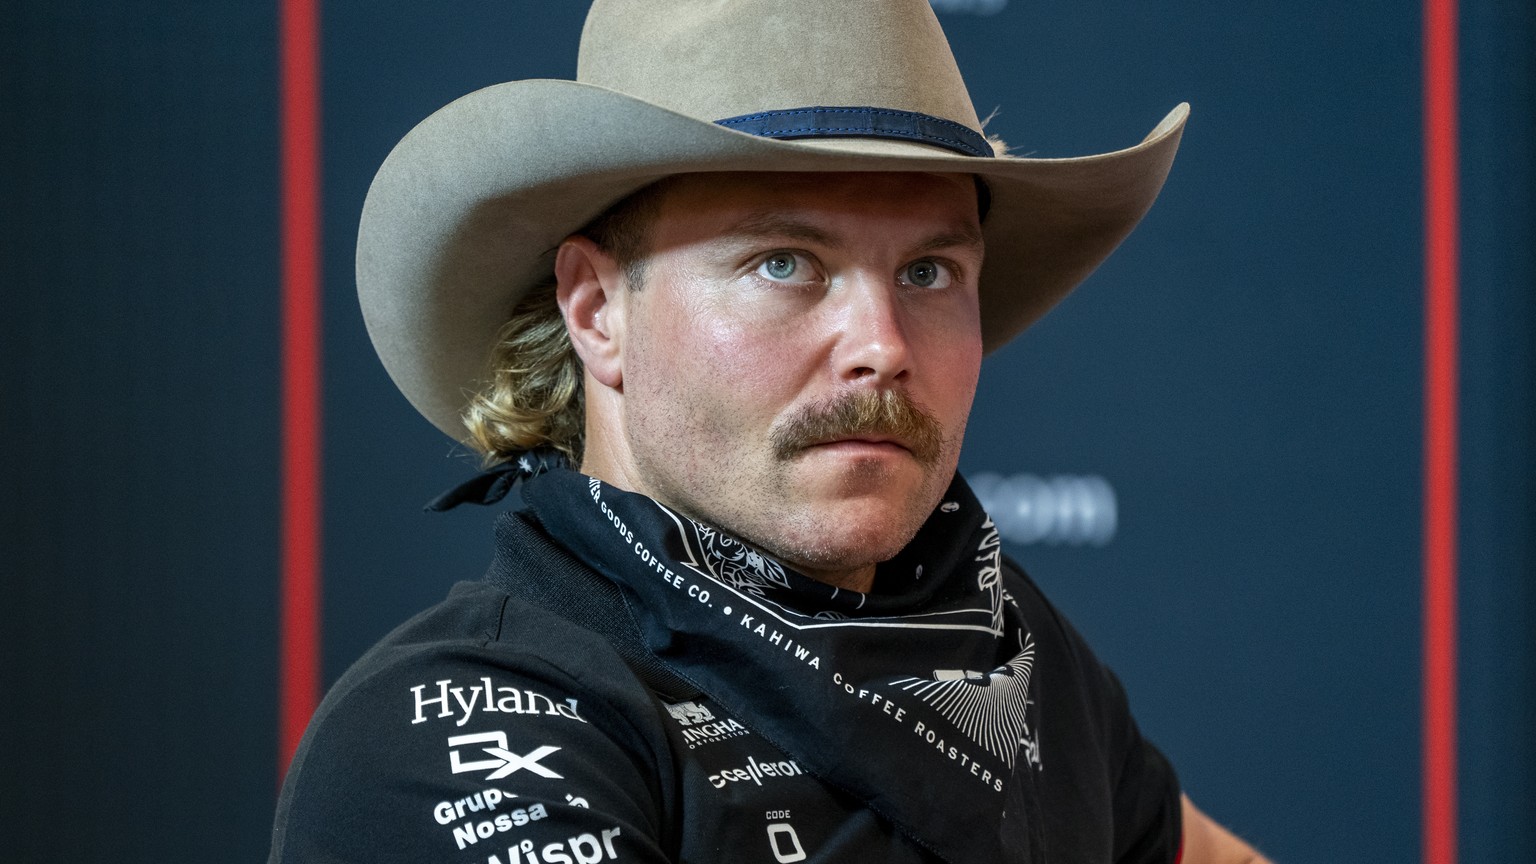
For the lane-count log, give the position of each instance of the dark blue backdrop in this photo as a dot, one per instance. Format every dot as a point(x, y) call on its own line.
point(1210, 455)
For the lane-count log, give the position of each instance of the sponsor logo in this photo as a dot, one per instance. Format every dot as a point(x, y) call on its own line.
point(473, 831)
point(581, 849)
point(990, 709)
point(955, 754)
point(447, 811)
point(502, 762)
point(1062, 509)
point(709, 733)
point(780, 641)
point(785, 843)
point(756, 771)
point(689, 713)
point(448, 700)
point(700, 726)
point(875, 699)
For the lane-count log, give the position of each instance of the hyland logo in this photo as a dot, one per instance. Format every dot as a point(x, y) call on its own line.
point(502, 762)
point(485, 697)
point(700, 726)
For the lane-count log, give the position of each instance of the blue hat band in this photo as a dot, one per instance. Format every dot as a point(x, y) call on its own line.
point(862, 122)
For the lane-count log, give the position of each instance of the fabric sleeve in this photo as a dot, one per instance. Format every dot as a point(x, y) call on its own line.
point(1147, 816)
point(458, 752)
point(1140, 795)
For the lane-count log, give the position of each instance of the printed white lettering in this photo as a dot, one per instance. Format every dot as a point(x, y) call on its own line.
point(486, 697)
point(473, 832)
point(785, 843)
point(447, 811)
point(533, 703)
point(755, 771)
point(761, 629)
point(515, 854)
point(954, 754)
point(581, 849)
point(712, 732)
point(423, 703)
point(469, 707)
point(586, 849)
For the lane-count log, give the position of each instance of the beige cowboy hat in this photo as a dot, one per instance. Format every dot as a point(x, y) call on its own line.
point(465, 214)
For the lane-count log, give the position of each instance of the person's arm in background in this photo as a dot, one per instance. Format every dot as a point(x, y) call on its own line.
point(1206, 842)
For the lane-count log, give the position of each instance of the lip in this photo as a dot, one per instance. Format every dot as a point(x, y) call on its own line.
point(865, 443)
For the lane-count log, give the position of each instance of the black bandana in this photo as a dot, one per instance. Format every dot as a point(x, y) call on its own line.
point(914, 697)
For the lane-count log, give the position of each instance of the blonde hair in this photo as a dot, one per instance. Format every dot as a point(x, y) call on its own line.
point(534, 395)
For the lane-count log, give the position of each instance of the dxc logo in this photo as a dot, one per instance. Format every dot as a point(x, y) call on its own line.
point(1076, 510)
point(503, 761)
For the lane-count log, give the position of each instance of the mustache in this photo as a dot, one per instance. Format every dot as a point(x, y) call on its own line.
point(855, 413)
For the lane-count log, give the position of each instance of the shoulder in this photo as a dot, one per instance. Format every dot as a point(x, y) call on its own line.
point(1045, 621)
point(481, 632)
point(1078, 678)
point(481, 695)
point(1087, 731)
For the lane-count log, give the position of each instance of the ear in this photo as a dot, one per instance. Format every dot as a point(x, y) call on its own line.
point(591, 293)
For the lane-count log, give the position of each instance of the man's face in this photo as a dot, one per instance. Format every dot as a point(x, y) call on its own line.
point(800, 362)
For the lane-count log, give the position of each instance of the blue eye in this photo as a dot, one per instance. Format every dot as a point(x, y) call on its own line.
point(780, 266)
point(787, 267)
point(926, 273)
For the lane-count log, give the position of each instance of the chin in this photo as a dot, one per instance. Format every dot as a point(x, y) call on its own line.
point(845, 538)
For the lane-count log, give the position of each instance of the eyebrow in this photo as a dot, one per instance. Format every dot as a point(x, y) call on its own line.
point(766, 223)
point(963, 236)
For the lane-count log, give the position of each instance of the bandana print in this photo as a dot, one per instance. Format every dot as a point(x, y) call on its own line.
point(916, 697)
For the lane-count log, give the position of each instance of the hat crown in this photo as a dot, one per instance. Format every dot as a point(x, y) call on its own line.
point(714, 59)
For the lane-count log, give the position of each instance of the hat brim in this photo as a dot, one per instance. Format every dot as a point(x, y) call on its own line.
point(466, 212)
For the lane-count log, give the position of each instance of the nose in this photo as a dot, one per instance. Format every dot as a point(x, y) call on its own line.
point(873, 347)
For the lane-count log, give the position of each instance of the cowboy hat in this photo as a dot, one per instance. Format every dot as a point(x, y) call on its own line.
point(465, 214)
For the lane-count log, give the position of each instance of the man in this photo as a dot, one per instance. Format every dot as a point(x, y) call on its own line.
point(743, 274)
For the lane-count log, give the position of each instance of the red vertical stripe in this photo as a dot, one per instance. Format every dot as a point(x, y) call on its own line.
point(299, 674)
point(1441, 260)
